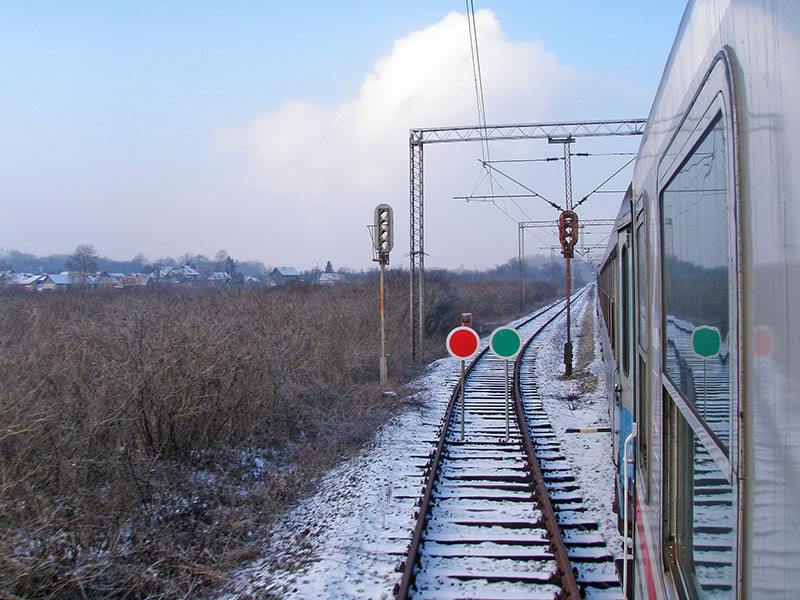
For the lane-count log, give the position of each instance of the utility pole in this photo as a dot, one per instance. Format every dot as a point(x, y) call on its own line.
point(568, 235)
point(521, 261)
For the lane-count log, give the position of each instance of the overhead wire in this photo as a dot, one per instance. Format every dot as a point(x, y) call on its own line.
point(510, 216)
point(557, 158)
point(586, 197)
point(478, 78)
point(550, 202)
point(526, 230)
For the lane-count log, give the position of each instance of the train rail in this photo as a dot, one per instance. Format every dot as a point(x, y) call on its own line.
point(498, 517)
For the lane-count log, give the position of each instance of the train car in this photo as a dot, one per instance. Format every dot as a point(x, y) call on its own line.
point(696, 291)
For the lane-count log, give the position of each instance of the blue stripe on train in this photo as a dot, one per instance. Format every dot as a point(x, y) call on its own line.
point(625, 428)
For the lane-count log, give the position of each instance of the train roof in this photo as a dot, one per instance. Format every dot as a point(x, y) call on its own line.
point(624, 215)
point(622, 221)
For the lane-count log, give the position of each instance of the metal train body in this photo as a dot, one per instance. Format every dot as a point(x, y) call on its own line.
point(698, 292)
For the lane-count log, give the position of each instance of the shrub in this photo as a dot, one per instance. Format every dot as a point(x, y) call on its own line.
point(147, 437)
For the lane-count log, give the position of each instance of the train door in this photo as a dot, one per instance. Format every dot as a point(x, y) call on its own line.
point(625, 373)
point(642, 403)
point(625, 397)
point(699, 329)
point(617, 390)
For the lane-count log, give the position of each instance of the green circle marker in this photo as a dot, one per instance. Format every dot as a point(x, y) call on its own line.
point(706, 341)
point(505, 342)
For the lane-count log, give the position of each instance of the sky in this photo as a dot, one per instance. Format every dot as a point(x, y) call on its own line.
point(272, 130)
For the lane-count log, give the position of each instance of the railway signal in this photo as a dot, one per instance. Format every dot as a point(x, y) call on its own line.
point(506, 343)
point(462, 342)
point(384, 230)
point(568, 232)
point(382, 243)
point(706, 343)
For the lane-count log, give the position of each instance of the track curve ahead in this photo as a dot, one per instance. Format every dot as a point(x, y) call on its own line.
point(486, 527)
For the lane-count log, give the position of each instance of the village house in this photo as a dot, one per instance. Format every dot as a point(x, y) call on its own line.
point(282, 275)
point(219, 279)
point(331, 278)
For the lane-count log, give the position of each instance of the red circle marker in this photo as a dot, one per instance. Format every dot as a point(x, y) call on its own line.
point(462, 342)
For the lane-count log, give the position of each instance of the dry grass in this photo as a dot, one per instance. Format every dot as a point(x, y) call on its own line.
point(147, 438)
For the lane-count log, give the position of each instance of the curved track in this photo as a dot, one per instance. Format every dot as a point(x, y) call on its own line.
point(488, 524)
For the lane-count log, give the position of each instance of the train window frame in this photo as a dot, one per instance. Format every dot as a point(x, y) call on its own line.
point(644, 405)
point(641, 243)
point(712, 119)
point(712, 104)
point(625, 316)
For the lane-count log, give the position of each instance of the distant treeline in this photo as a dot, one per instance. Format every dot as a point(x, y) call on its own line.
point(25, 262)
point(536, 268)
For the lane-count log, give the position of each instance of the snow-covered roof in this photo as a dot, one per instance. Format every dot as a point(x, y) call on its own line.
point(33, 279)
point(287, 271)
point(219, 276)
point(17, 277)
point(331, 277)
point(60, 279)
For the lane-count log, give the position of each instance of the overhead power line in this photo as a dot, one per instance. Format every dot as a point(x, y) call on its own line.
point(556, 158)
point(596, 190)
point(478, 77)
point(522, 185)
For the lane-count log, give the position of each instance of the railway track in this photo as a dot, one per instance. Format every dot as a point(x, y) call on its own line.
point(498, 517)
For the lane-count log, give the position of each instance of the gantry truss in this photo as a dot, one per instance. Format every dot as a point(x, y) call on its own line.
point(563, 132)
point(528, 131)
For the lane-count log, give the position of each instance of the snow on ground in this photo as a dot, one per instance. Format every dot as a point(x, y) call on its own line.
point(569, 406)
point(346, 540)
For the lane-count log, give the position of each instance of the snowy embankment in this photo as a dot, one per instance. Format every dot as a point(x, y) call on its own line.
point(581, 402)
point(346, 540)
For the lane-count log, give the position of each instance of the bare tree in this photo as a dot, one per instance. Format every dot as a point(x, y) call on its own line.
point(139, 261)
point(221, 259)
point(82, 261)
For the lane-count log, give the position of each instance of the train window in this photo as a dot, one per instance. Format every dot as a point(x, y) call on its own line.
point(643, 417)
point(695, 237)
point(624, 332)
point(643, 401)
point(702, 539)
point(641, 282)
point(699, 328)
point(613, 311)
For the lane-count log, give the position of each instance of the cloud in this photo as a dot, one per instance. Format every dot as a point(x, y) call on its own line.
point(325, 167)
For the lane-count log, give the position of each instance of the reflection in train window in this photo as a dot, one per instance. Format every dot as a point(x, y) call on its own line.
point(641, 285)
point(703, 542)
point(624, 330)
point(696, 278)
